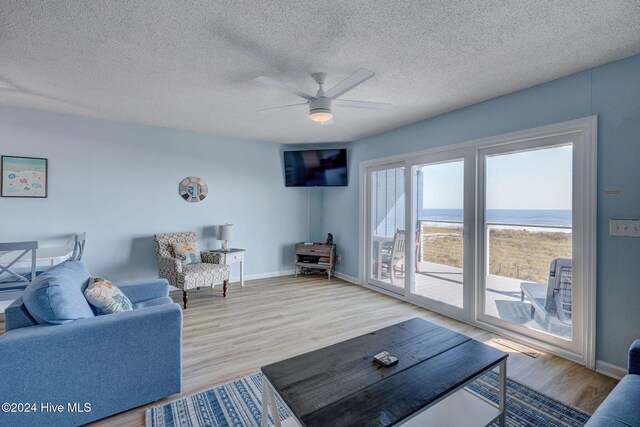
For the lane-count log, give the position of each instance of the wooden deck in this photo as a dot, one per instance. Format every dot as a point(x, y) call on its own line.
point(502, 298)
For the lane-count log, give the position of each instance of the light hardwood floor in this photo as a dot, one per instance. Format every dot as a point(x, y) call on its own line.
point(273, 319)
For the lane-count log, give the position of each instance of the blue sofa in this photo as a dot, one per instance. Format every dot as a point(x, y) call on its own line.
point(622, 407)
point(59, 351)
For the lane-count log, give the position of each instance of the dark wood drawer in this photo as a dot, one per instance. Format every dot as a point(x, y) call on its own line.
point(318, 250)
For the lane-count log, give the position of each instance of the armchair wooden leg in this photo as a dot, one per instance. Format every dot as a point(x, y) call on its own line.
point(185, 299)
point(225, 283)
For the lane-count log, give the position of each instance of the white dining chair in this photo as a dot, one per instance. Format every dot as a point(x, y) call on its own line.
point(10, 254)
point(78, 246)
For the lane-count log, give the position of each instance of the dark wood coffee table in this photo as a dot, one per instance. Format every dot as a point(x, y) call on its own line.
point(340, 385)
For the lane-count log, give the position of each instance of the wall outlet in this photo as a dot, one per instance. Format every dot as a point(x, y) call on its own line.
point(624, 227)
point(339, 259)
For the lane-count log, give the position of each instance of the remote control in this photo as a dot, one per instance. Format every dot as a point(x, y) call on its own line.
point(385, 359)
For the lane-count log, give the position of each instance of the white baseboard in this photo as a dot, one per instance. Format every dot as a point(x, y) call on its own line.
point(347, 278)
point(610, 370)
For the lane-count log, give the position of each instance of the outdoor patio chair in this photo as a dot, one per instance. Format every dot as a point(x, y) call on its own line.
point(394, 260)
point(562, 295)
point(554, 297)
point(10, 254)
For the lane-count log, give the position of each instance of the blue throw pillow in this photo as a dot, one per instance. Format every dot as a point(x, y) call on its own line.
point(56, 296)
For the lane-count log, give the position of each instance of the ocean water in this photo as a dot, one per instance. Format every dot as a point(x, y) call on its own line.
point(505, 216)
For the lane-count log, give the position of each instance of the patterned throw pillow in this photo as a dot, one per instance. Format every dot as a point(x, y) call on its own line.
point(187, 252)
point(106, 296)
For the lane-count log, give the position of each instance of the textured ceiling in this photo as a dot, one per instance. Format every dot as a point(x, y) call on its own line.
point(192, 64)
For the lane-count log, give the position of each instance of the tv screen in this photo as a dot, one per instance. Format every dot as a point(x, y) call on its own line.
point(315, 168)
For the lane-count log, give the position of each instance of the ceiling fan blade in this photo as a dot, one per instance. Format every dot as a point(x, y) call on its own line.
point(283, 86)
point(349, 83)
point(283, 107)
point(363, 104)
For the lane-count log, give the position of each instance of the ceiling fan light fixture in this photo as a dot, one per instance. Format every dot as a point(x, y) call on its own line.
point(320, 104)
point(320, 109)
point(320, 115)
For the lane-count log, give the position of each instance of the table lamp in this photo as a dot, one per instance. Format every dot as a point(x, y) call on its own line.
point(226, 232)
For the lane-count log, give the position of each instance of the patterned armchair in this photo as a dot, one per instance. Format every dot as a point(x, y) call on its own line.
point(207, 273)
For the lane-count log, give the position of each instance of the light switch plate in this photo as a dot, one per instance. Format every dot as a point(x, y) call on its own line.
point(624, 227)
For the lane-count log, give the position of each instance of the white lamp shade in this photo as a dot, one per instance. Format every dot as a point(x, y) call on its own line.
point(226, 232)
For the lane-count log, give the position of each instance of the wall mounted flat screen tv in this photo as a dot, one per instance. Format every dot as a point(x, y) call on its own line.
point(316, 168)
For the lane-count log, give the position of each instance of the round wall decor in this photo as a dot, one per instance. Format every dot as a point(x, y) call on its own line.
point(193, 189)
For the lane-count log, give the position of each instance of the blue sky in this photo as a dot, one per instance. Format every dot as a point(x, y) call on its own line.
point(539, 179)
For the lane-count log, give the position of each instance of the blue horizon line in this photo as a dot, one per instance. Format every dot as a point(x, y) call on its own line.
point(533, 217)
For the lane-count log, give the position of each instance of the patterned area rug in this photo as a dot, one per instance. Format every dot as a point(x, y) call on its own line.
point(238, 404)
point(527, 407)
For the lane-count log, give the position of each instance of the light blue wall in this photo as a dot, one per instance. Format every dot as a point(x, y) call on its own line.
point(613, 93)
point(119, 182)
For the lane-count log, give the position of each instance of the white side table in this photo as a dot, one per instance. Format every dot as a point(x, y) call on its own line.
point(232, 256)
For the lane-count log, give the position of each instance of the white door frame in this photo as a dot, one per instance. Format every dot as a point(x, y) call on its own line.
point(584, 137)
point(575, 345)
point(468, 157)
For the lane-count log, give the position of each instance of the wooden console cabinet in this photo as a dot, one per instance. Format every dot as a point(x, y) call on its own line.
point(316, 256)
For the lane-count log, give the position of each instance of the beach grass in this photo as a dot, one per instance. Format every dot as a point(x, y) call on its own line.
point(519, 254)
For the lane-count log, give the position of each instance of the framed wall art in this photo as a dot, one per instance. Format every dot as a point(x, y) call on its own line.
point(23, 176)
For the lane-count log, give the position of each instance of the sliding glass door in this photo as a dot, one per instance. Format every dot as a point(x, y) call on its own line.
point(526, 214)
point(442, 277)
point(499, 233)
point(386, 263)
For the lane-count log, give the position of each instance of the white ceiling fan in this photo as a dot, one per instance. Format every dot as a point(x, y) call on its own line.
point(320, 105)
